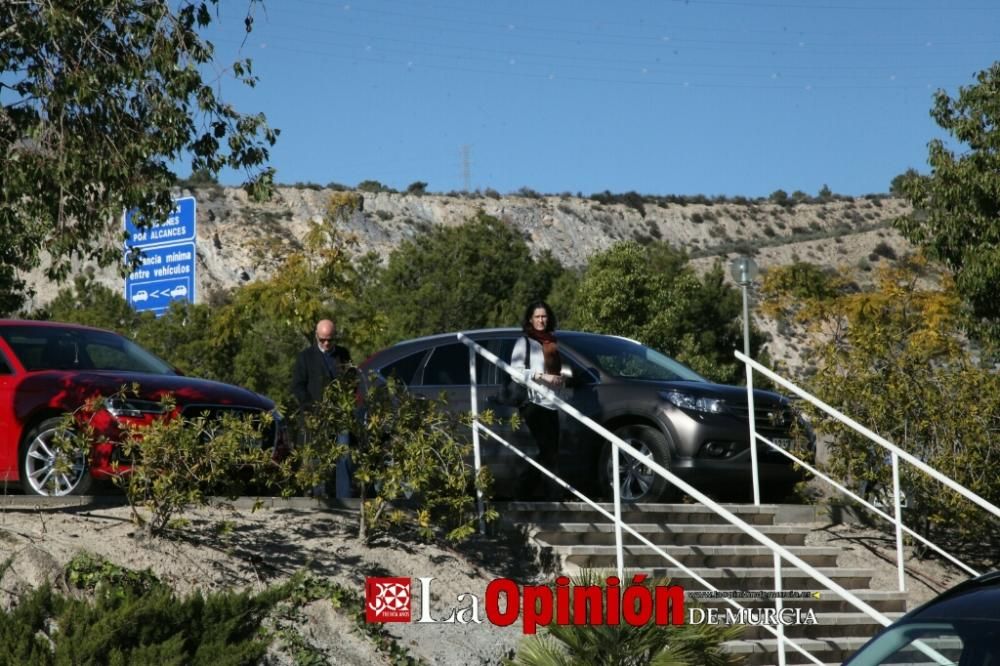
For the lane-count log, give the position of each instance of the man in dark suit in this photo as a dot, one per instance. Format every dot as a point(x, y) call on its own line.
point(315, 367)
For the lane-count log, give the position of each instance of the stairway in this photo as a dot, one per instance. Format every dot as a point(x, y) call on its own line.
point(573, 536)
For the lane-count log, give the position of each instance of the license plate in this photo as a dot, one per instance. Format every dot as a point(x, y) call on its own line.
point(782, 442)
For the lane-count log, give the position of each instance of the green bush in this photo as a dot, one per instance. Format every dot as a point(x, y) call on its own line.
point(780, 197)
point(894, 359)
point(372, 186)
point(122, 626)
point(418, 187)
point(405, 449)
point(178, 462)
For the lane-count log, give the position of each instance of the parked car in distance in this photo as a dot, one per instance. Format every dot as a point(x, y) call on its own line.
point(48, 369)
point(696, 428)
point(959, 626)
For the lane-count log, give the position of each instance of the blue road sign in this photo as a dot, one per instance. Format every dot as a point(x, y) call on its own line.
point(177, 228)
point(166, 274)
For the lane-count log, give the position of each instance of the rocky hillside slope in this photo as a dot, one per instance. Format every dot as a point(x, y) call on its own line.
point(230, 227)
point(240, 240)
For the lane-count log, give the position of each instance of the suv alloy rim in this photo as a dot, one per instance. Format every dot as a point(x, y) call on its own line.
point(635, 478)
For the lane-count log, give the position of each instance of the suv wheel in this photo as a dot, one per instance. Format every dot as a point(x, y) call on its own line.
point(47, 470)
point(637, 482)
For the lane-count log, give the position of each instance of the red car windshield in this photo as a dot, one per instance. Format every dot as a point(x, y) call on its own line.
point(52, 348)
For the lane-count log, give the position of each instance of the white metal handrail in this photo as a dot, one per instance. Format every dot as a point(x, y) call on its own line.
point(621, 445)
point(871, 507)
point(619, 524)
point(896, 453)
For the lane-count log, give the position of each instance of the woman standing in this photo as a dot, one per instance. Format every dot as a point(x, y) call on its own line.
point(536, 356)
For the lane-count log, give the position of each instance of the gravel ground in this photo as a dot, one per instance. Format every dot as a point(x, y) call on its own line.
point(233, 548)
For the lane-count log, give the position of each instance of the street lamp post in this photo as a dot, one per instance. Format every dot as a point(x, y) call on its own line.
point(744, 270)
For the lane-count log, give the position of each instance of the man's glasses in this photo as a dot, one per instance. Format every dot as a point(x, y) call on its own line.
point(324, 340)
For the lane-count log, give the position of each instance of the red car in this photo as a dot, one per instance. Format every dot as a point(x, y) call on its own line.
point(48, 369)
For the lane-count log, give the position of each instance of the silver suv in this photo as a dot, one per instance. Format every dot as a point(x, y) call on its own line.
point(696, 428)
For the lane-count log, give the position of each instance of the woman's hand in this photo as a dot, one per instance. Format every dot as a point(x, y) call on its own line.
point(554, 381)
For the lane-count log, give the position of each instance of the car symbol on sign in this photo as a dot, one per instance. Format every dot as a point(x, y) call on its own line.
point(178, 291)
point(140, 295)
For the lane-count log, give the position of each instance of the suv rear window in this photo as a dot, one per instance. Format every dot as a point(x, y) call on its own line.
point(405, 368)
point(449, 366)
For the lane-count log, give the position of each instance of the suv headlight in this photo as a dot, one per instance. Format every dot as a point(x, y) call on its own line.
point(119, 407)
point(694, 403)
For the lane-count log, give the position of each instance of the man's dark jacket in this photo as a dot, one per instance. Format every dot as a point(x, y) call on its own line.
point(312, 374)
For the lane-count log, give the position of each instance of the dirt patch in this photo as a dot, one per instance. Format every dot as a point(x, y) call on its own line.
point(235, 548)
point(238, 549)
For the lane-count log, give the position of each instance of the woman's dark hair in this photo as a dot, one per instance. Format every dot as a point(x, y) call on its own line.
point(526, 321)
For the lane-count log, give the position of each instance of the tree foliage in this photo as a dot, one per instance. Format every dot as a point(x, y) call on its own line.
point(404, 449)
point(172, 462)
point(474, 275)
point(651, 294)
point(96, 99)
point(117, 616)
point(956, 209)
point(894, 359)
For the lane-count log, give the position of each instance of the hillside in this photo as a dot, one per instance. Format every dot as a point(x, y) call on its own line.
point(240, 241)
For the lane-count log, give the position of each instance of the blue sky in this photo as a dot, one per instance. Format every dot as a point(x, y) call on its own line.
point(714, 97)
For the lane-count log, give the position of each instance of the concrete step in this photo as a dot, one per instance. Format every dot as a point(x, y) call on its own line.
point(580, 512)
point(831, 650)
point(758, 578)
point(638, 556)
point(727, 559)
point(597, 533)
point(828, 625)
point(764, 652)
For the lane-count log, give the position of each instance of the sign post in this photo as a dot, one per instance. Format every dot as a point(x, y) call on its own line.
point(167, 271)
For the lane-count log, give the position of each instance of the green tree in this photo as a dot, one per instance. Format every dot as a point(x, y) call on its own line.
point(894, 359)
point(780, 197)
point(372, 186)
point(404, 448)
point(651, 294)
point(471, 276)
point(98, 98)
point(417, 187)
point(896, 185)
point(91, 303)
point(956, 209)
point(269, 321)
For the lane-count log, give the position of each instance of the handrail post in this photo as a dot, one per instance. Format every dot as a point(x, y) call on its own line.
point(617, 495)
point(754, 470)
point(778, 606)
point(899, 522)
point(781, 552)
point(476, 460)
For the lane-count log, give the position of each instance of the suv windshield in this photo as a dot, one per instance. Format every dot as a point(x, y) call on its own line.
point(628, 359)
point(51, 348)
